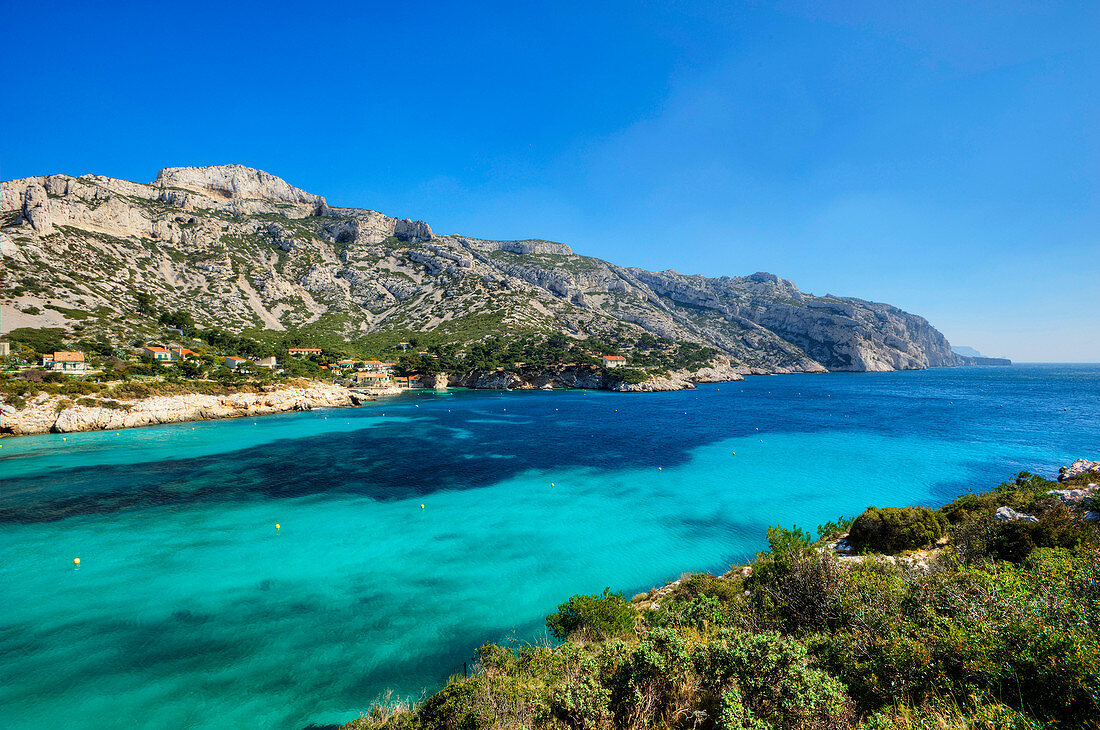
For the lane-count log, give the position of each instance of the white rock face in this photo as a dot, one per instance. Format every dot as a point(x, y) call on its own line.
point(1072, 497)
point(1007, 514)
point(236, 181)
point(42, 416)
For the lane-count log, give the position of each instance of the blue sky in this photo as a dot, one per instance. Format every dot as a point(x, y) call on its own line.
point(942, 157)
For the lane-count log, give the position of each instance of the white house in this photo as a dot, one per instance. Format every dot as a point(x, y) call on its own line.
point(613, 361)
point(268, 362)
point(233, 362)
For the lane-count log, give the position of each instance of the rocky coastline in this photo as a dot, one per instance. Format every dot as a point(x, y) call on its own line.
point(47, 414)
point(42, 415)
point(585, 377)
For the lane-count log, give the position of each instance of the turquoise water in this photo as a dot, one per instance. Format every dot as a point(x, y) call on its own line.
point(189, 609)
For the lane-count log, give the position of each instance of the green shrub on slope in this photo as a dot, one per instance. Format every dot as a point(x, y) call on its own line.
point(892, 529)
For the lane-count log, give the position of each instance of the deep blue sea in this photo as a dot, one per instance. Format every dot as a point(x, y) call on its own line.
point(189, 609)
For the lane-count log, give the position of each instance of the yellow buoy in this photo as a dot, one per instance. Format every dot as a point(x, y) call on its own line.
point(734, 453)
point(76, 561)
point(551, 484)
point(658, 468)
point(65, 439)
point(276, 525)
point(421, 506)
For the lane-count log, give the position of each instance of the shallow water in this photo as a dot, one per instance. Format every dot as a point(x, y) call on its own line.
point(189, 609)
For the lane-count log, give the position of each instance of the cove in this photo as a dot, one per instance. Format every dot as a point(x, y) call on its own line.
point(189, 608)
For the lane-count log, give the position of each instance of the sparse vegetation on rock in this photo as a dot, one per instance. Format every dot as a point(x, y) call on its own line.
point(230, 252)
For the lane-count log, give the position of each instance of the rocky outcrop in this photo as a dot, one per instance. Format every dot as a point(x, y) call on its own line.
point(1007, 514)
point(235, 181)
point(982, 361)
point(43, 415)
point(586, 377)
point(1077, 468)
point(719, 372)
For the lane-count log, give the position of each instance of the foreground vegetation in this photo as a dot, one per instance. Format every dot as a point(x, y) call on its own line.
point(981, 624)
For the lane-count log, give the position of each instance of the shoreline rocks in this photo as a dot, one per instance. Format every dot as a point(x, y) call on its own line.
point(43, 417)
point(1077, 468)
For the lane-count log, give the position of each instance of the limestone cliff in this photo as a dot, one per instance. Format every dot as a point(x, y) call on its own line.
point(241, 249)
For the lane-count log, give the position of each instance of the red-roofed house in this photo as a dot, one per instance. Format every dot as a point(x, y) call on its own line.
point(613, 361)
point(182, 353)
point(373, 379)
point(65, 362)
point(233, 362)
point(156, 352)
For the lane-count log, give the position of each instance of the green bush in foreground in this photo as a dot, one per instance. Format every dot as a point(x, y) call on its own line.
point(1001, 629)
point(891, 529)
point(599, 617)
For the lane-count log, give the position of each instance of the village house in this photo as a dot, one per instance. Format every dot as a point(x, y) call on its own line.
point(159, 354)
point(387, 366)
point(233, 362)
point(375, 365)
point(299, 351)
point(5, 349)
point(372, 379)
point(181, 353)
point(65, 362)
point(268, 362)
point(613, 361)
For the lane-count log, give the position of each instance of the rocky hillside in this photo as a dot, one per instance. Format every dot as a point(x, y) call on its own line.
point(244, 251)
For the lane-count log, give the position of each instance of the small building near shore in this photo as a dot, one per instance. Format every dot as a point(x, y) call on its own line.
point(233, 362)
point(65, 362)
point(268, 362)
point(303, 351)
point(613, 361)
point(181, 353)
point(158, 353)
point(373, 379)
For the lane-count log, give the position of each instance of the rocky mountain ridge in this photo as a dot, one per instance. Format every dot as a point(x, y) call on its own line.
point(243, 250)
